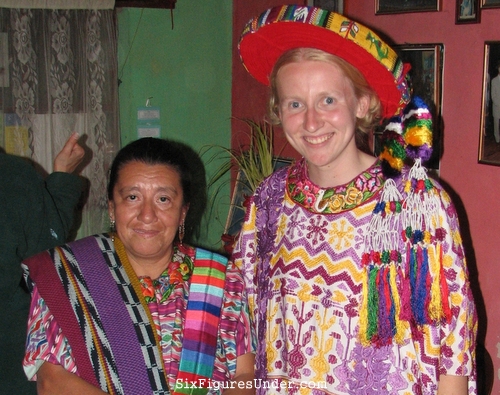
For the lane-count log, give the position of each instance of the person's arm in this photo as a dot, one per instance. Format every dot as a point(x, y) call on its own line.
point(46, 342)
point(55, 380)
point(243, 381)
point(453, 385)
point(64, 188)
point(239, 334)
point(458, 334)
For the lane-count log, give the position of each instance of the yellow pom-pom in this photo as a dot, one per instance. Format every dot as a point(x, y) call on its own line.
point(418, 135)
point(395, 163)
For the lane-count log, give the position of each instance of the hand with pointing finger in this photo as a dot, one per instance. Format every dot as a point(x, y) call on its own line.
point(70, 156)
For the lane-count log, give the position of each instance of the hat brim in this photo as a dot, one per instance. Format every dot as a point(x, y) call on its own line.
point(260, 49)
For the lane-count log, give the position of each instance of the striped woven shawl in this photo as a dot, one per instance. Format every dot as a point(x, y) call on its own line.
point(109, 339)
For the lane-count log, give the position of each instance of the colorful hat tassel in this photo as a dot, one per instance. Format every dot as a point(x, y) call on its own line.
point(380, 311)
point(396, 293)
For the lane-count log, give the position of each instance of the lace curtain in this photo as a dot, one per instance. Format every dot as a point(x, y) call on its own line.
point(58, 74)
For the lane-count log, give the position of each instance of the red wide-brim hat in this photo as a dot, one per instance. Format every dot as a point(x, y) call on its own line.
point(279, 29)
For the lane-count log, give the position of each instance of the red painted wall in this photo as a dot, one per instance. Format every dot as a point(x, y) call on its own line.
point(475, 188)
point(249, 96)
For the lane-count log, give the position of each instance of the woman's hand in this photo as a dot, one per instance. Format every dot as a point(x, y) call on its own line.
point(55, 380)
point(243, 377)
point(453, 385)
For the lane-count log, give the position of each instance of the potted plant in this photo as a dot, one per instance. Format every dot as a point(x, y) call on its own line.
point(251, 163)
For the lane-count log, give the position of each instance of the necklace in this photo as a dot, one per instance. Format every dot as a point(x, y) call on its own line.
point(178, 271)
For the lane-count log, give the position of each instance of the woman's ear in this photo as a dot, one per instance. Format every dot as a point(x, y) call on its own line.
point(185, 210)
point(363, 105)
point(111, 210)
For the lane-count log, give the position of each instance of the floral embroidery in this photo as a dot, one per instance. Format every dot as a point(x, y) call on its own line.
point(332, 200)
point(179, 270)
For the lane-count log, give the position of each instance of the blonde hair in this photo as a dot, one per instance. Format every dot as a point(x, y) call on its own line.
point(361, 88)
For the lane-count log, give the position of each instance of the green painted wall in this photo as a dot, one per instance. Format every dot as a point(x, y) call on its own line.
point(187, 72)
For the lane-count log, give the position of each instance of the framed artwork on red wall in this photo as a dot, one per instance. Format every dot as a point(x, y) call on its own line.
point(467, 11)
point(490, 3)
point(398, 6)
point(489, 131)
point(330, 5)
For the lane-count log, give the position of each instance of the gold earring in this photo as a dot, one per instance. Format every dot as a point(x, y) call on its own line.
point(181, 232)
point(112, 226)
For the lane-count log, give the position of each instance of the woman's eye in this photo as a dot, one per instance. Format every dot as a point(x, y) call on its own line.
point(294, 104)
point(329, 100)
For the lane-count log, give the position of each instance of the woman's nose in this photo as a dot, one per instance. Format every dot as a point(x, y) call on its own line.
point(147, 213)
point(312, 120)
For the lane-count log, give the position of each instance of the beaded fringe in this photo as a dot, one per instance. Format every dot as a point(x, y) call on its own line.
point(380, 313)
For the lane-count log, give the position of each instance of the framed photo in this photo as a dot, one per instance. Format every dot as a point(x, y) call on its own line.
point(467, 11)
point(427, 78)
point(489, 135)
point(490, 3)
point(330, 5)
point(399, 6)
point(237, 208)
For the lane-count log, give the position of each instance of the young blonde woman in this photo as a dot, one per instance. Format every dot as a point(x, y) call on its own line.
point(353, 264)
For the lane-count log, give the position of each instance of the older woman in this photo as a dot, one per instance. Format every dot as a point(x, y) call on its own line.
point(137, 311)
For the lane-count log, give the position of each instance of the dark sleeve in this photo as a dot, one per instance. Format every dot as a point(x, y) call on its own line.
point(47, 210)
point(62, 192)
point(35, 213)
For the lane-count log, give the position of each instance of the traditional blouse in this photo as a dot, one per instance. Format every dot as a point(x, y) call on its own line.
point(301, 250)
point(167, 298)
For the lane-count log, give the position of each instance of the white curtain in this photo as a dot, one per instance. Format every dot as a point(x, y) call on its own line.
point(58, 74)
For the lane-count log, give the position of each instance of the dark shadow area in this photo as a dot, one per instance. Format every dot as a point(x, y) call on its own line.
point(485, 370)
point(199, 193)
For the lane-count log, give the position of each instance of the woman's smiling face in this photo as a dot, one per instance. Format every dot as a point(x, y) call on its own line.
point(318, 110)
point(148, 207)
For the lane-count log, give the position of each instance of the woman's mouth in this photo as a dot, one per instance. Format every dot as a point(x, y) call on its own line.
point(319, 139)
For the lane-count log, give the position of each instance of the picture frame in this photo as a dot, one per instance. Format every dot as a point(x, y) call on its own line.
point(330, 5)
point(427, 81)
point(489, 148)
point(398, 6)
point(241, 192)
point(467, 11)
point(236, 214)
point(490, 3)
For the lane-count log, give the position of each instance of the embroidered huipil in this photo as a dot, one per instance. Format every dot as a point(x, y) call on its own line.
point(167, 305)
point(301, 255)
